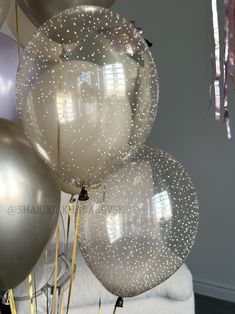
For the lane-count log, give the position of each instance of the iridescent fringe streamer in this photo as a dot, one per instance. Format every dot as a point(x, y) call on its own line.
point(228, 60)
point(217, 70)
point(11, 302)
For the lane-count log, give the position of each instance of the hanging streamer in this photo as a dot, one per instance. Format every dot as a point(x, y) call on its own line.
point(54, 306)
point(66, 248)
point(217, 70)
point(73, 255)
point(228, 60)
point(12, 302)
point(30, 279)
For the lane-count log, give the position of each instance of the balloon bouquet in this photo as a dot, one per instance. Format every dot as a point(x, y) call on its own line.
point(87, 96)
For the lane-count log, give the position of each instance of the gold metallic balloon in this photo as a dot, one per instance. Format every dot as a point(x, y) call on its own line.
point(139, 226)
point(4, 7)
point(91, 107)
point(41, 11)
point(29, 206)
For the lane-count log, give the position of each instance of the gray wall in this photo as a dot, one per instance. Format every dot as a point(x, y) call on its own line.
point(182, 36)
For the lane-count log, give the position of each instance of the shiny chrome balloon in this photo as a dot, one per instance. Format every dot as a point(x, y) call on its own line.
point(41, 11)
point(138, 228)
point(29, 206)
point(89, 103)
point(4, 7)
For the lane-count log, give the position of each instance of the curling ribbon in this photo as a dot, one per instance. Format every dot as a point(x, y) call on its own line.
point(30, 278)
point(73, 254)
point(17, 28)
point(54, 307)
point(12, 302)
point(217, 70)
point(66, 248)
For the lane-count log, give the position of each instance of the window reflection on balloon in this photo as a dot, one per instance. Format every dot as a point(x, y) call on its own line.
point(93, 105)
point(147, 226)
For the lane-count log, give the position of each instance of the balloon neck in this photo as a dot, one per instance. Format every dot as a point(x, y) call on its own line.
point(83, 196)
point(119, 302)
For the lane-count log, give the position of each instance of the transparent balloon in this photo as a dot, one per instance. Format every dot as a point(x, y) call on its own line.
point(139, 226)
point(93, 104)
point(41, 11)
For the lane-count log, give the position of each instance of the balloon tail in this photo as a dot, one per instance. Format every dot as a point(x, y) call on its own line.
point(119, 303)
point(11, 302)
point(55, 271)
point(30, 279)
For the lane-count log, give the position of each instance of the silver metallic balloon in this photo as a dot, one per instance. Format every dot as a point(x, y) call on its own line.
point(43, 272)
point(138, 228)
point(4, 7)
point(29, 206)
point(94, 104)
point(41, 11)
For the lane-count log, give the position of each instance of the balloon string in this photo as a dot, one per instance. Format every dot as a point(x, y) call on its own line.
point(17, 28)
point(30, 279)
point(66, 248)
point(73, 255)
point(55, 271)
point(12, 302)
point(99, 309)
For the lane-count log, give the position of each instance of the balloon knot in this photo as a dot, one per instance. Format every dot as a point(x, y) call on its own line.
point(83, 196)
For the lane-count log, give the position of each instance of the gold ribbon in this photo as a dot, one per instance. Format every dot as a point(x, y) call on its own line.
point(17, 28)
point(55, 271)
point(99, 309)
point(30, 279)
point(66, 248)
point(47, 298)
point(12, 302)
point(73, 254)
point(68, 223)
